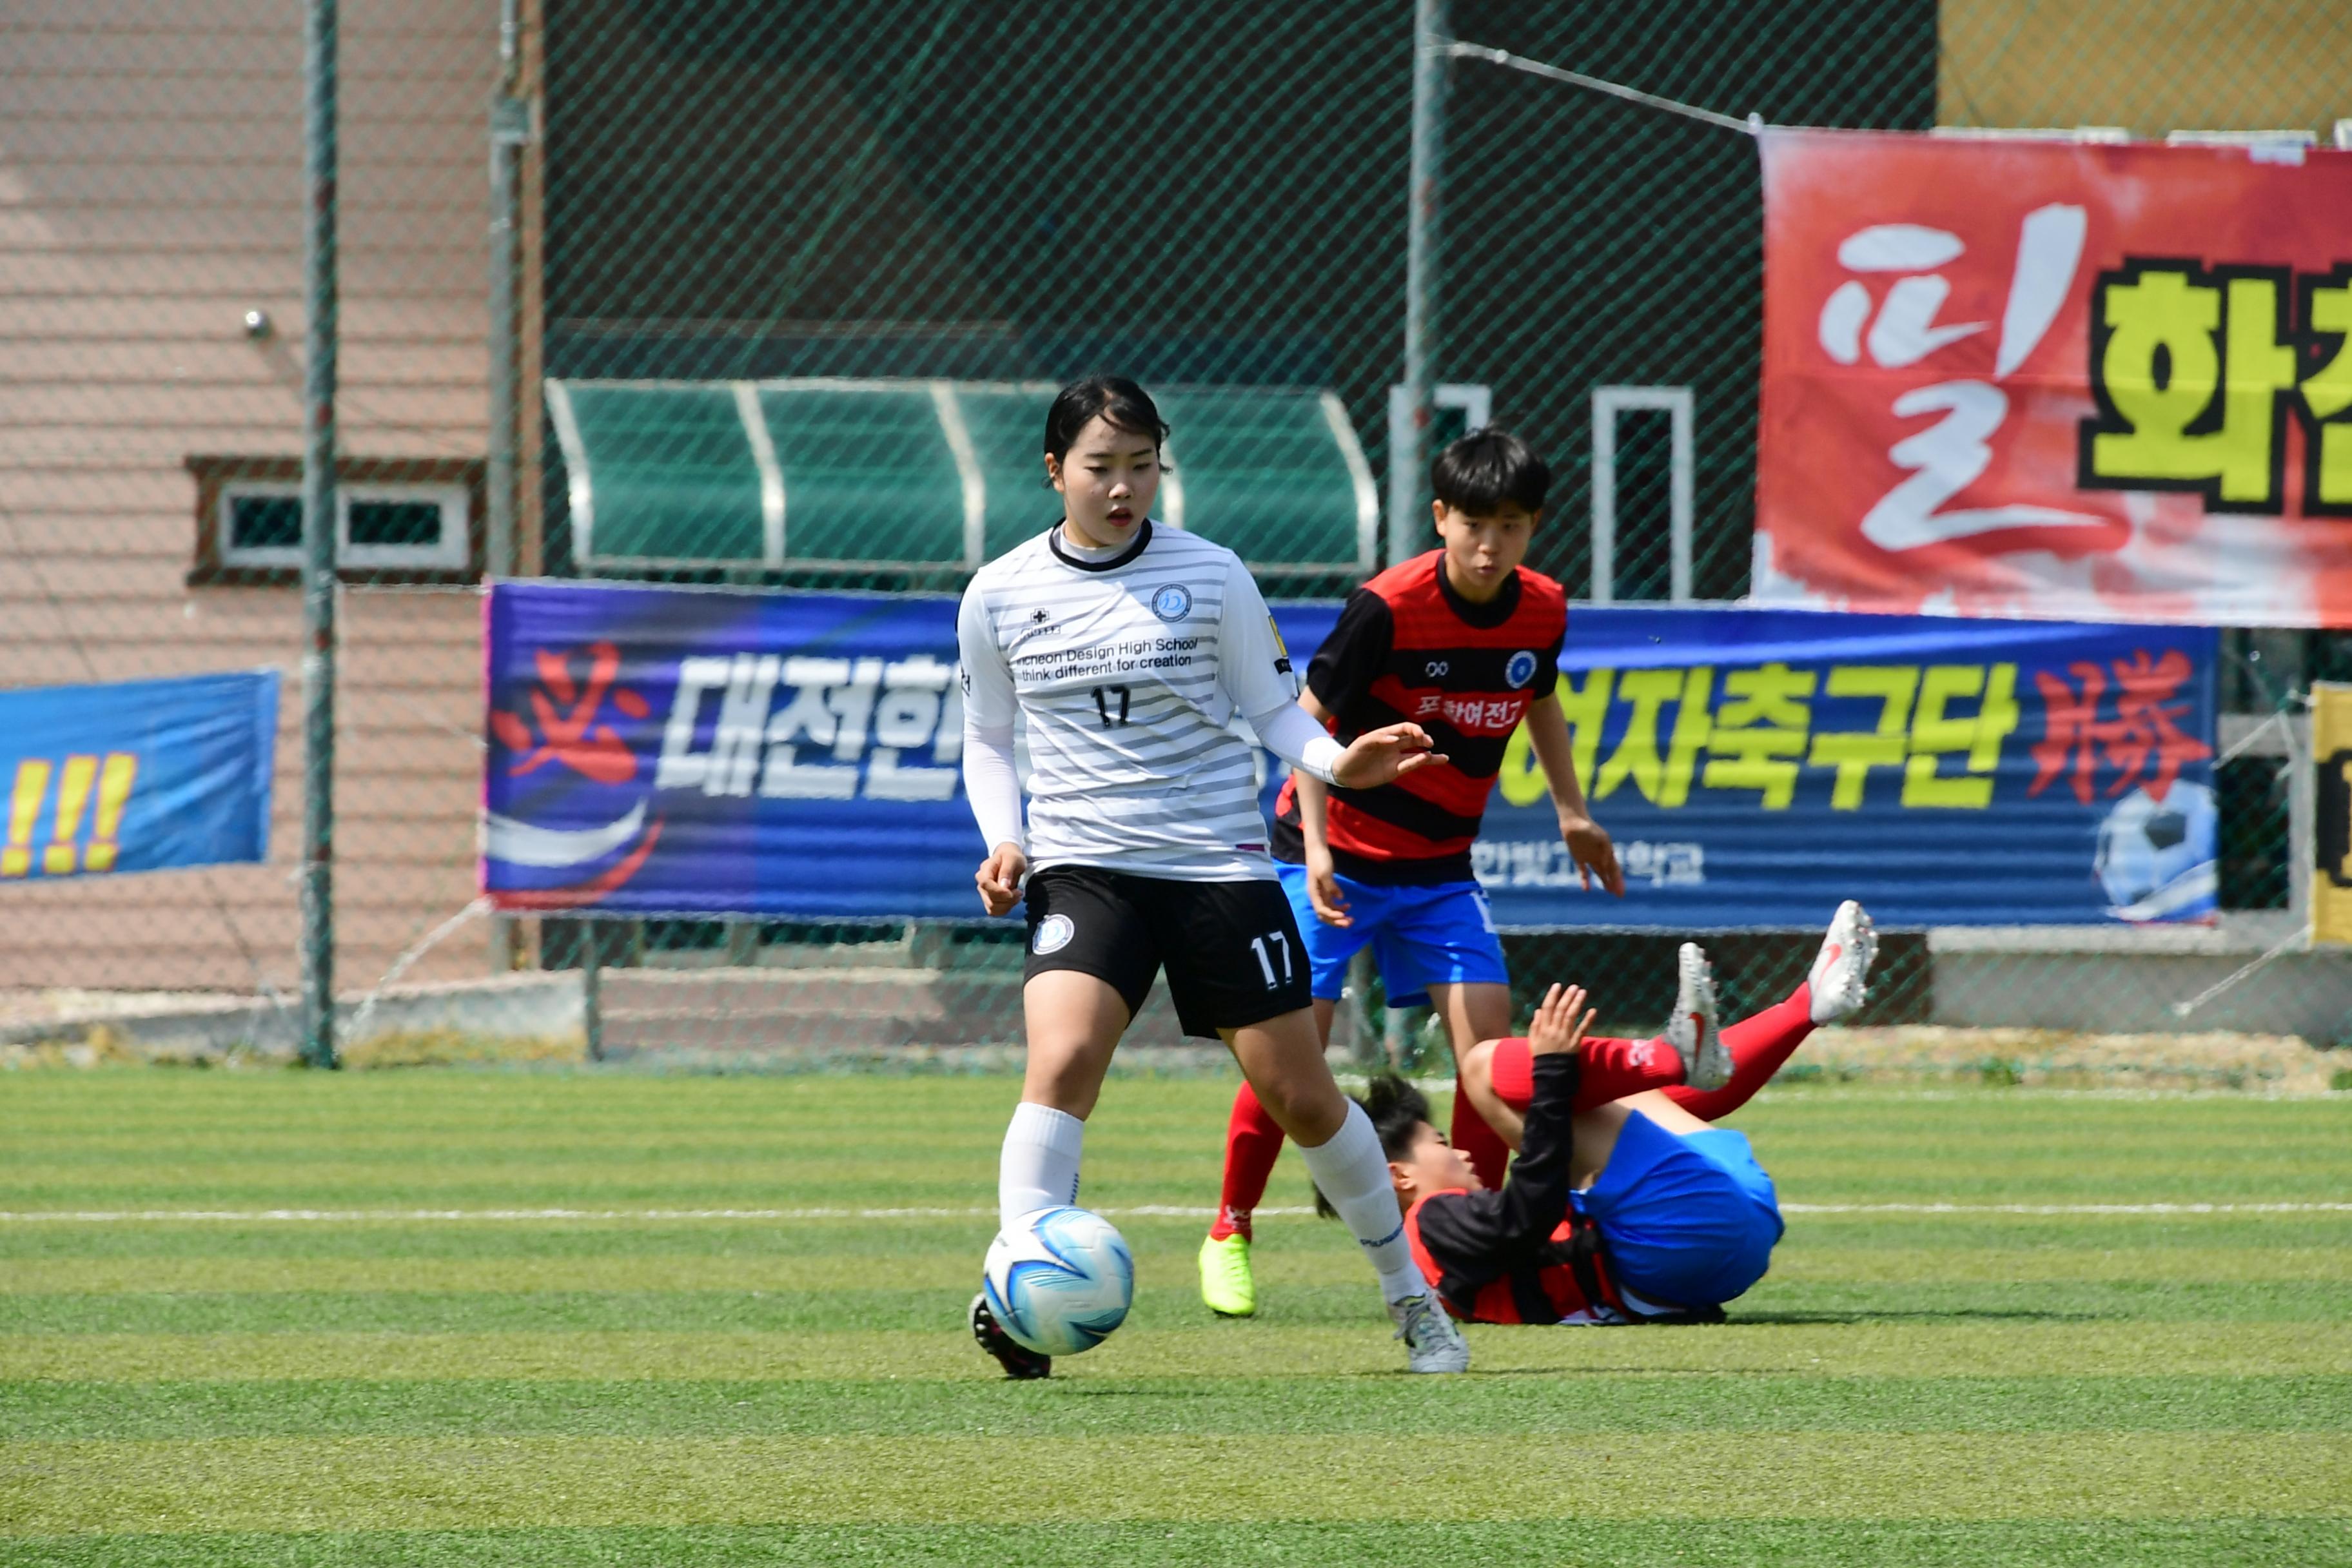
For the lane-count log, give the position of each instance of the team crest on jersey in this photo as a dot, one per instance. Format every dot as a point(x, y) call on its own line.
point(1054, 933)
point(1172, 603)
point(1521, 669)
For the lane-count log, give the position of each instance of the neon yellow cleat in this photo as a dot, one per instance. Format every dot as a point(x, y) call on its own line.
point(1225, 1282)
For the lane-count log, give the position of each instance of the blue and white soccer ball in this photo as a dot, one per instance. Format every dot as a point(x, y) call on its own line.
point(2156, 857)
point(1060, 1280)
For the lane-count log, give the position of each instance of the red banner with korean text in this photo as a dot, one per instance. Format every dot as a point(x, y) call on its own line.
point(2051, 379)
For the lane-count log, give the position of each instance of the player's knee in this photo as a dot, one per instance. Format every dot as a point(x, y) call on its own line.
point(1310, 1111)
point(1476, 1068)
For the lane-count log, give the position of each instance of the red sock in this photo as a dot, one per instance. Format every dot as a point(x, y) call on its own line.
point(1612, 1069)
point(1758, 1047)
point(1253, 1144)
point(1480, 1144)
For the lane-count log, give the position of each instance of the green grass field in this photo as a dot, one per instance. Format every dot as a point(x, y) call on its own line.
point(368, 1383)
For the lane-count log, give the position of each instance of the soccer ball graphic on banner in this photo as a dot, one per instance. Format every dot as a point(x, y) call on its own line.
point(1060, 1280)
point(2156, 857)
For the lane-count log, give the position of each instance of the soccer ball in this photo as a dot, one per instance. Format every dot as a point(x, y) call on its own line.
point(2156, 857)
point(1060, 1280)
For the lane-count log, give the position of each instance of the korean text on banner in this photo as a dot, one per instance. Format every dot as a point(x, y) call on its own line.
point(699, 752)
point(682, 751)
point(2057, 379)
point(1756, 767)
point(143, 775)
point(2331, 754)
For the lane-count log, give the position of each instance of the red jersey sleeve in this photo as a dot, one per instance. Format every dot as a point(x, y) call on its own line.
point(1353, 656)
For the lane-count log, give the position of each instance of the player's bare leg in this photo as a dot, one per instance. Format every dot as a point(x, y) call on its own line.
point(1475, 1080)
point(1283, 1058)
point(1611, 1068)
point(1473, 1011)
point(1074, 1023)
point(1597, 1130)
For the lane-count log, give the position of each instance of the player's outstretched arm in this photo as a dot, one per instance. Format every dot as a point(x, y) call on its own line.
point(1480, 1234)
point(1589, 846)
point(1256, 673)
point(1380, 756)
point(1315, 828)
point(1561, 1022)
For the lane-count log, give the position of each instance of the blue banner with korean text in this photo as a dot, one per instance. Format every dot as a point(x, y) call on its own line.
point(719, 752)
point(722, 751)
point(1754, 766)
point(139, 776)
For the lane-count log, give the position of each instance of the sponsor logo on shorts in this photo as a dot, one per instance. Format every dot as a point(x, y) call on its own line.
point(1521, 670)
point(1172, 603)
point(1053, 934)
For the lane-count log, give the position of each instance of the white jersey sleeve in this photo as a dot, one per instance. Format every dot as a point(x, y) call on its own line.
point(1256, 673)
point(991, 782)
point(1253, 666)
point(989, 702)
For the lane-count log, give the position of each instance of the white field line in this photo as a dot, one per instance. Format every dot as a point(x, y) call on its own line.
point(1155, 1211)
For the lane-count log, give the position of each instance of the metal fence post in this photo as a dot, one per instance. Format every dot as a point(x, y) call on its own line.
point(1409, 438)
point(319, 526)
point(1409, 442)
point(510, 130)
point(592, 989)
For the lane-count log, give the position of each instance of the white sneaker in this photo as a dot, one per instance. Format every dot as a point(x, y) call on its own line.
point(1432, 1342)
point(1707, 1060)
point(1841, 975)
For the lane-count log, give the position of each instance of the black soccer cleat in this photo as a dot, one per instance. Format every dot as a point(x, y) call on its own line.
point(1017, 1359)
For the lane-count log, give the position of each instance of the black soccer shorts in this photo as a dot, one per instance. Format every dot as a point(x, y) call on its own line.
point(1232, 950)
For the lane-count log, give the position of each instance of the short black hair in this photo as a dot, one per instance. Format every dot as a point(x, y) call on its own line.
point(1398, 1111)
point(1487, 469)
point(1113, 397)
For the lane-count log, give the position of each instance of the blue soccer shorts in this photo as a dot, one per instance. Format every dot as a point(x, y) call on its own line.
point(1439, 935)
point(1690, 1219)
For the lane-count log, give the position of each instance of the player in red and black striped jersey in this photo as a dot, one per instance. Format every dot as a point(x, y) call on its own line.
point(1464, 641)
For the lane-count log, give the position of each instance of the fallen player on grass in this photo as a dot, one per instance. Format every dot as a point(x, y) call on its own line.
point(1636, 1211)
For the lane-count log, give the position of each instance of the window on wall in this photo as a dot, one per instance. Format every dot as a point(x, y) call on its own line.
point(394, 521)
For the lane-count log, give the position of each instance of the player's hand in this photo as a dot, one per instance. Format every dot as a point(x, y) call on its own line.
point(1560, 1023)
point(1380, 755)
point(1592, 852)
point(999, 878)
point(1323, 892)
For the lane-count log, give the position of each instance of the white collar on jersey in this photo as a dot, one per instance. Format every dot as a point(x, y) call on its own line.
point(1104, 558)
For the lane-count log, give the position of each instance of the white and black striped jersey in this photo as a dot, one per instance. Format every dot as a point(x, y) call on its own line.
point(1128, 672)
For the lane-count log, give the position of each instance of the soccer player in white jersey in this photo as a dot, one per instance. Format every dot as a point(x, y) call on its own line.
point(1128, 647)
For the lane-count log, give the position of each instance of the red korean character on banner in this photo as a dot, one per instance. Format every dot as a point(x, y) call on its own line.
point(565, 711)
point(1948, 456)
point(2141, 740)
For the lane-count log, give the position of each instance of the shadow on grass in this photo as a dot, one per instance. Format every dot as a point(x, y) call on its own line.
point(1945, 1315)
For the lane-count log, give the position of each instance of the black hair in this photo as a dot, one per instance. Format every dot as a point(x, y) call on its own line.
point(1487, 469)
point(1398, 1111)
point(1113, 397)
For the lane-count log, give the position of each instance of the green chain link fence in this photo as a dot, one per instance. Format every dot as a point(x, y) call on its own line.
point(878, 232)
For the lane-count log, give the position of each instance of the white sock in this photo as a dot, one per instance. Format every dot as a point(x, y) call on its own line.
point(1039, 1167)
point(1353, 1175)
